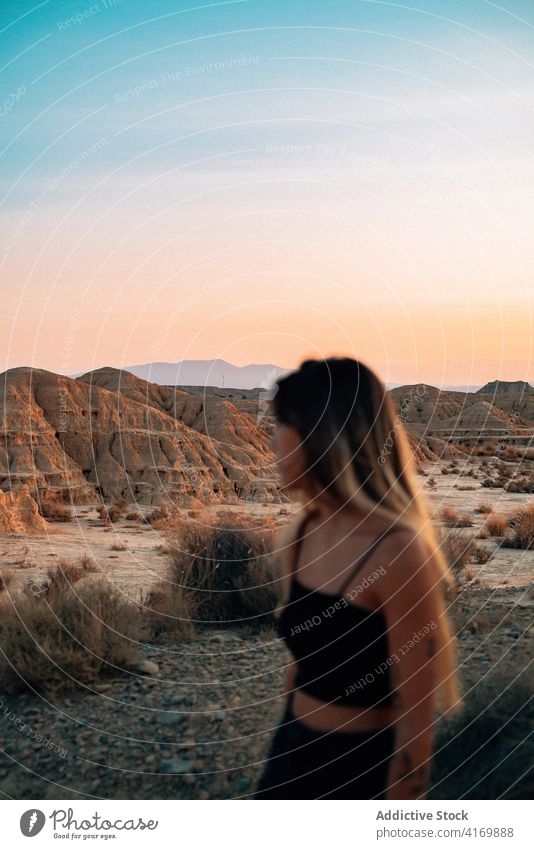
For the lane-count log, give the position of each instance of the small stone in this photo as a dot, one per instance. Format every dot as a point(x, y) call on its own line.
point(177, 699)
point(168, 718)
point(147, 667)
point(103, 688)
point(218, 716)
point(175, 766)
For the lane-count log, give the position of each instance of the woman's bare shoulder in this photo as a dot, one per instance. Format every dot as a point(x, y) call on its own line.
point(406, 559)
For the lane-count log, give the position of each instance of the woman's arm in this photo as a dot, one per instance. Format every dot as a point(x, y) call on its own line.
point(410, 604)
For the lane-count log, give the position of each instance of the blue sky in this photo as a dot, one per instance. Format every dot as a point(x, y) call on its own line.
point(384, 149)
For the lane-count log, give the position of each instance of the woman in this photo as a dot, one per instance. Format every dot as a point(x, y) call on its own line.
point(364, 618)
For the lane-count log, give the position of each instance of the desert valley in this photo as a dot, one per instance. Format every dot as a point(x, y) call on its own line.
point(110, 480)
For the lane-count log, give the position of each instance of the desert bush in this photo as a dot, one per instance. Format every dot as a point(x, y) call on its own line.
point(134, 516)
point(486, 752)
point(450, 516)
point(504, 469)
point(431, 483)
point(118, 545)
point(88, 563)
point(168, 613)
point(110, 513)
point(480, 554)
point(496, 525)
point(66, 638)
point(159, 514)
point(464, 521)
point(492, 483)
point(521, 532)
point(62, 578)
point(56, 511)
point(457, 547)
point(6, 579)
point(484, 507)
point(218, 576)
point(120, 503)
point(511, 453)
point(524, 484)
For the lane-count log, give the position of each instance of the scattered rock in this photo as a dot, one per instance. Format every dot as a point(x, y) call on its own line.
point(147, 667)
point(176, 766)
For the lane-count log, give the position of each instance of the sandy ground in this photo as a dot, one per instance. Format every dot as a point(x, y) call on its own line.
point(200, 726)
point(143, 563)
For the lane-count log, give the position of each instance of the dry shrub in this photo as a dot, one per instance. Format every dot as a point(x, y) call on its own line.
point(521, 534)
point(481, 554)
point(496, 525)
point(523, 484)
point(63, 577)
point(219, 576)
point(6, 579)
point(485, 508)
point(464, 521)
point(88, 563)
point(168, 613)
point(110, 514)
point(119, 545)
point(450, 516)
point(157, 515)
point(60, 640)
point(134, 516)
point(51, 508)
point(458, 549)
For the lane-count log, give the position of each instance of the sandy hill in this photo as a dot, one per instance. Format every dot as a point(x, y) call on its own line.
point(515, 397)
point(422, 404)
point(64, 433)
point(19, 513)
point(506, 387)
point(482, 416)
point(212, 415)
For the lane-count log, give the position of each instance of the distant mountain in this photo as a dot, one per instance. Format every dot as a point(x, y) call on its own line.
point(218, 373)
point(508, 387)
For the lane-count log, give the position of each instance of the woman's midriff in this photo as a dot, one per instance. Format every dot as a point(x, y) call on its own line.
point(322, 716)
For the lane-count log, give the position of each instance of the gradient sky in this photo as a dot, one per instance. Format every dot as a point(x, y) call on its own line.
point(263, 181)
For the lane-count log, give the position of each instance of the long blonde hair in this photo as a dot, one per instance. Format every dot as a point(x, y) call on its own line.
point(357, 451)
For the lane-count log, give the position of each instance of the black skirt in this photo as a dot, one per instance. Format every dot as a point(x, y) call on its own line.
point(308, 764)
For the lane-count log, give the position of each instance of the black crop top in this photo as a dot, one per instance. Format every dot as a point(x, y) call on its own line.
point(341, 649)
